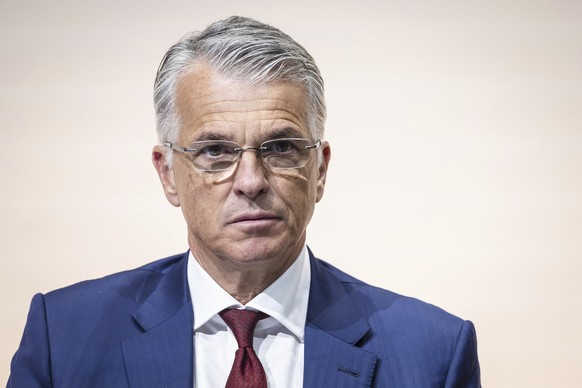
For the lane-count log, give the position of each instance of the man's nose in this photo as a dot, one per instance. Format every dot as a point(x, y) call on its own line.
point(250, 177)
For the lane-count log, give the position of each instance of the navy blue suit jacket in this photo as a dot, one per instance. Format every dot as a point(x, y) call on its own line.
point(135, 329)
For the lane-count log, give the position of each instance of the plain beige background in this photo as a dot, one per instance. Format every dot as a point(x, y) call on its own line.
point(456, 174)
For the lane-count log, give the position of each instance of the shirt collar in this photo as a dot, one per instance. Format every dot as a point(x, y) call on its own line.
point(285, 299)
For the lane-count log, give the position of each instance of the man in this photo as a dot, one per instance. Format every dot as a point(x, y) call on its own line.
point(240, 115)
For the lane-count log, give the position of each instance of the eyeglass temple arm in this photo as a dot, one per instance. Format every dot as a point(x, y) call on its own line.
point(316, 145)
point(177, 147)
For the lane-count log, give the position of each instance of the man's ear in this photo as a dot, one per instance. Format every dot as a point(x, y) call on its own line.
point(166, 174)
point(326, 156)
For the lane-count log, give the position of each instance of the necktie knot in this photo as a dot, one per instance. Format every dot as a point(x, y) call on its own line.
point(242, 323)
point(247, 371)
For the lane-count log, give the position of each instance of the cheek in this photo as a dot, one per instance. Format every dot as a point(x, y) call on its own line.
point(198, 196)
point(298, 192)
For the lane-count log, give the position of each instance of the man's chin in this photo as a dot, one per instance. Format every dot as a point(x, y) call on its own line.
point(259, 250)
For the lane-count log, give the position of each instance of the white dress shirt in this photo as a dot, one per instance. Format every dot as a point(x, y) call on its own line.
point(278, 339)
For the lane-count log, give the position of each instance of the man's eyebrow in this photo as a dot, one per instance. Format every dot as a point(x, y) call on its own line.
point(286, 132)
point(212, 136)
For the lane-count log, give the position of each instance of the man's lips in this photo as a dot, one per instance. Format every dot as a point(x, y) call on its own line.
point(254, 218)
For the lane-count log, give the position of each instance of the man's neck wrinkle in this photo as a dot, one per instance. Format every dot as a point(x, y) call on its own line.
point(242, 284)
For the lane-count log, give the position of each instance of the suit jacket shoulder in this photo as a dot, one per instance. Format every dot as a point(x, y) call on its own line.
point(413, 343)
point(374, 302)
point(134, 283)
point(80, 335)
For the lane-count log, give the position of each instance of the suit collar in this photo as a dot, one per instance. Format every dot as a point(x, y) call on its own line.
point(162, 356)
point(334, 331)
point(331, 308)
point(170, 295)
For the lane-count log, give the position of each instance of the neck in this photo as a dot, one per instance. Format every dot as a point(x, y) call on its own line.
point(244, 280)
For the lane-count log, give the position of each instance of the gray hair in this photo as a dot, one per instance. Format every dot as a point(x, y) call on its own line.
point(243, 49)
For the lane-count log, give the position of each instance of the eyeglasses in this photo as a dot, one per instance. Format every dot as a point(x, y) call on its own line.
point(220, 155)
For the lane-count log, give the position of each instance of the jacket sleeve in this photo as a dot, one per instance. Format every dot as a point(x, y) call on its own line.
point(31, 364)
point(464, 370)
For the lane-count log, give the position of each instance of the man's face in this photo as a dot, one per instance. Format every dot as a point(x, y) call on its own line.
point(248, 215)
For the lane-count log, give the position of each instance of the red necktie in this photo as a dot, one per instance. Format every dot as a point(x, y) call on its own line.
point(247, 371)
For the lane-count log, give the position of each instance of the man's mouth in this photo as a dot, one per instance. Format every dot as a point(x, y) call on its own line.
point(255, 219)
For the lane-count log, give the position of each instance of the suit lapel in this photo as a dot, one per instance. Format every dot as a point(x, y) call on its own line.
point(162, 356)
point(333, 329)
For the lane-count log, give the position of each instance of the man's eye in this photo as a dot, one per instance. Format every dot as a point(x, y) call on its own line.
point(282, 146)
point(214, 150)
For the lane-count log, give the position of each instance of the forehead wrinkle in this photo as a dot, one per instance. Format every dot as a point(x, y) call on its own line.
point(262, 115)
point(265, 103)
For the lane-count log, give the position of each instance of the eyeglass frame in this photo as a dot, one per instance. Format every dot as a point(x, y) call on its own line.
point(240, 150)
